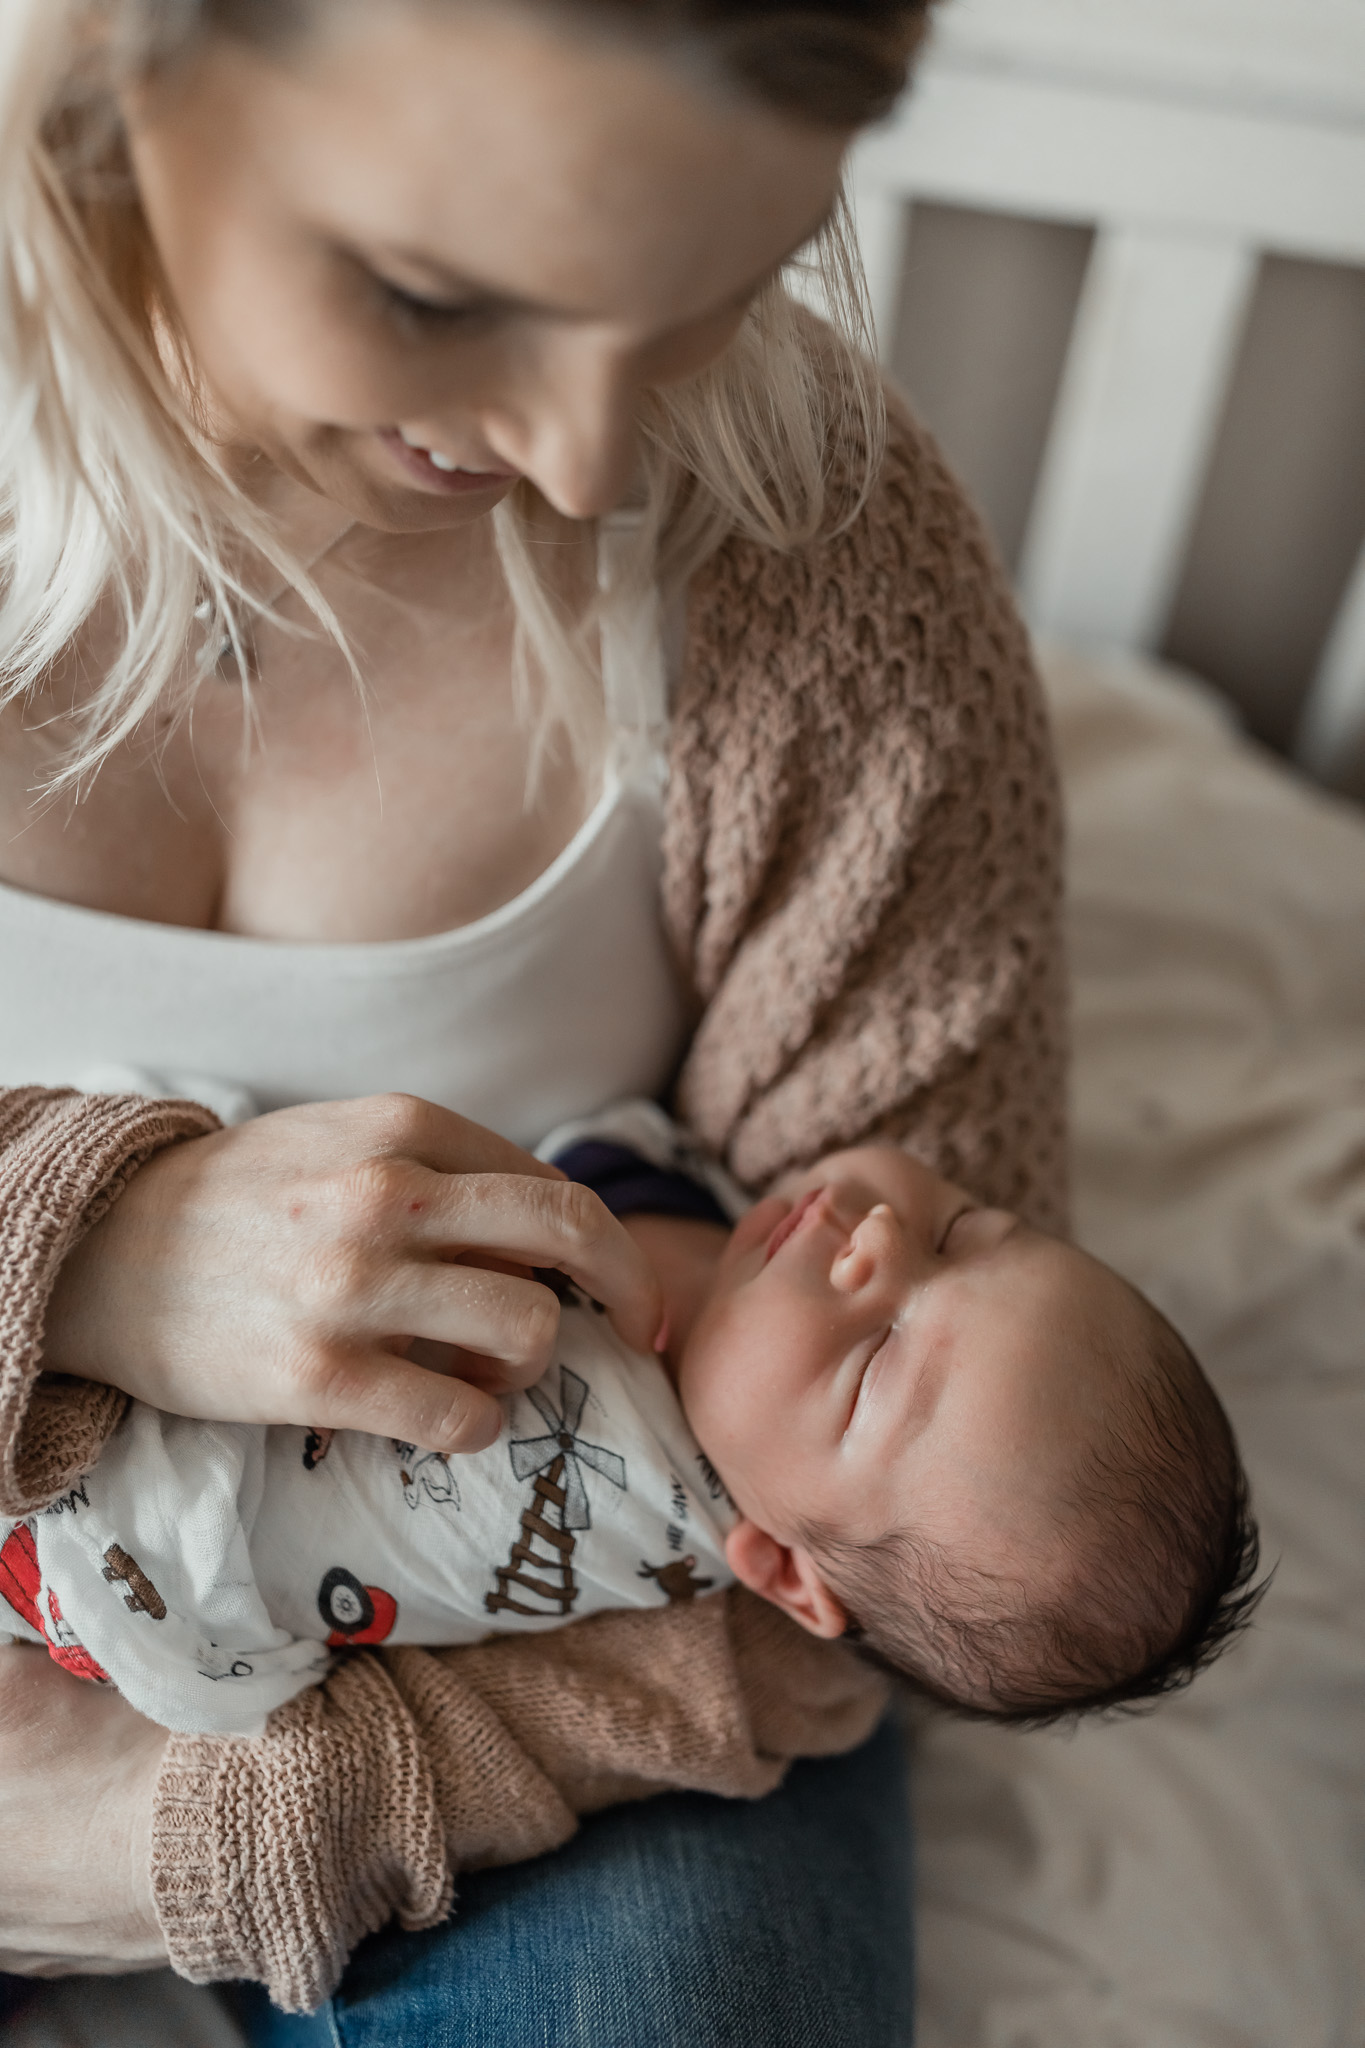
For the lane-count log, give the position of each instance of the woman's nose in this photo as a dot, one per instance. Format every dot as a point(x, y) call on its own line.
point(570, 427)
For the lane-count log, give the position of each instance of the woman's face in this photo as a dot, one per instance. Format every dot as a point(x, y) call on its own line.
point(459, 232)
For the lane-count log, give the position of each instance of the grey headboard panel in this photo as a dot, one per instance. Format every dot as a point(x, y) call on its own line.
point(1117, 255)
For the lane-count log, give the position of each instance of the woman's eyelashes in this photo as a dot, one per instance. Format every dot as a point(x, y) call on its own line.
point(410, 309)
point(420, 312)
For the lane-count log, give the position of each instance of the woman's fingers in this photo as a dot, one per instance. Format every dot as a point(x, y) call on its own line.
point(242, 1275)
point(493, 1196)
point(388, 1396)
point(554, 1223)
point(509, 1321)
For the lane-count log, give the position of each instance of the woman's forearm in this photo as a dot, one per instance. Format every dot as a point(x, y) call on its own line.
point(78, 1768)
point(365, 1798)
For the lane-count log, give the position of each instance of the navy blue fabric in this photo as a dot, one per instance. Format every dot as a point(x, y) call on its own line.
point(683, 1922)
point(15, 1993)
point(633, 1186)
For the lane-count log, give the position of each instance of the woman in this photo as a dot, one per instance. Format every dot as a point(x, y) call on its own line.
point(340, 701)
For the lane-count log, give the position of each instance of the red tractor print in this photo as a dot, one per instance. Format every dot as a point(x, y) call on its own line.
point(21, 1585)
point(354, 1613)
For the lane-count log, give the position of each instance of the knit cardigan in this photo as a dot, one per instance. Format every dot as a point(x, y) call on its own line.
point(862, 887)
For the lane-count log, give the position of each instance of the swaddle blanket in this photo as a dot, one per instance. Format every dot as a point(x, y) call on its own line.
point(210, 1570)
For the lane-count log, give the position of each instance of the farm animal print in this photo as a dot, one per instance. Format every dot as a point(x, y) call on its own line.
point(677, 1580)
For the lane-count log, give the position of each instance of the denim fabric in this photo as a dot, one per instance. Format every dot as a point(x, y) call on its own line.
point(686, 1922)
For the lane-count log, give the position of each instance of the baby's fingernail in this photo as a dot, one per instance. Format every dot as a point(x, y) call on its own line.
point(661, 1341)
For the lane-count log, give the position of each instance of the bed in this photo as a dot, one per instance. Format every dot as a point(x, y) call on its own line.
point(1194, 1878)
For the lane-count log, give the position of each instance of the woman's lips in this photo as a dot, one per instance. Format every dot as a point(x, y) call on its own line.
point(419, 466)
point(790, 1223)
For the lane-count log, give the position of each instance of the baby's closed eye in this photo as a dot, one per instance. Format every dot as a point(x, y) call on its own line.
point(866, 1355)
point(976, 1229)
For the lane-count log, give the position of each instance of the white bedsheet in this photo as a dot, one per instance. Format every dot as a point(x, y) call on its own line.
point(1195, 1879)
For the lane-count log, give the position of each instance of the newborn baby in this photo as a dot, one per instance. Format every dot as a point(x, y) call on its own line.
point(890, 1411)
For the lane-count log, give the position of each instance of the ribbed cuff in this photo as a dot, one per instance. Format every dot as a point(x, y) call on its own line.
point(272, 1857)
point(64, 1160)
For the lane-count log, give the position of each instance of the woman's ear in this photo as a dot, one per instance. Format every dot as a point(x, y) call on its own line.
point(785, 1575)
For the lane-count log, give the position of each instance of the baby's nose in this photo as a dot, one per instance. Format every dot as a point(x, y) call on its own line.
point(871, 1242)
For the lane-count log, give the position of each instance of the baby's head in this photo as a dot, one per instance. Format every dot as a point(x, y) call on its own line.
point(968, 1442)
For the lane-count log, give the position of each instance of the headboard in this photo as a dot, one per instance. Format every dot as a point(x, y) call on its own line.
point(1196, 137)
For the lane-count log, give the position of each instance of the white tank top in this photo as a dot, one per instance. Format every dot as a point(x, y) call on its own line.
point(547, 1009)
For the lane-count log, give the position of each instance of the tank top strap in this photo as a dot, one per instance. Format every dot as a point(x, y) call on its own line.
point(635, 666)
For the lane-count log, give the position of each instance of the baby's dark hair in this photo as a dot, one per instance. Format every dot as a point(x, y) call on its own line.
point(1172, 1553)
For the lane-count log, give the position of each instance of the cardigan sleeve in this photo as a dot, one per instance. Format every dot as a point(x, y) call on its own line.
point(64, 1159)
point(273, 1857)
point(863, 877)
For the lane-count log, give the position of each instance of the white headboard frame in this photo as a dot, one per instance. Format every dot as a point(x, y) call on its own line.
point(1194, 135)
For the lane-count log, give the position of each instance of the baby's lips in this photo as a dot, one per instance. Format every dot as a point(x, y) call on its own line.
point(790, 1223)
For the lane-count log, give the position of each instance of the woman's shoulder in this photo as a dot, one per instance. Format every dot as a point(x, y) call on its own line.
point(901, 620)
point(908, 597)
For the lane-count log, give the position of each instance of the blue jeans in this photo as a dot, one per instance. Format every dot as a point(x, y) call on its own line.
point(685, 1922)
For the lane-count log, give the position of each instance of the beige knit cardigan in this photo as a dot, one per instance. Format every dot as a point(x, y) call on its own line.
point(862, 887)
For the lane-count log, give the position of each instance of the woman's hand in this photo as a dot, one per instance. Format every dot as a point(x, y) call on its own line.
point(77, 1772)
point(284, 1270)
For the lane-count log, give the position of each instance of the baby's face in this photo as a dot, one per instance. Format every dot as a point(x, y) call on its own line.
point(881, 1352)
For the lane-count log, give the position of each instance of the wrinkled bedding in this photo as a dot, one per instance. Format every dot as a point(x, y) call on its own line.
point(1196, 1878)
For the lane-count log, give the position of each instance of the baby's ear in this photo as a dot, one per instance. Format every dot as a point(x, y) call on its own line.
point(787, 1576)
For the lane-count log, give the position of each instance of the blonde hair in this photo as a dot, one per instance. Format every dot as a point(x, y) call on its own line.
point(113, 493)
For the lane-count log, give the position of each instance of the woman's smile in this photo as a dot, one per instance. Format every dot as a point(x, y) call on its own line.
point(441, 473)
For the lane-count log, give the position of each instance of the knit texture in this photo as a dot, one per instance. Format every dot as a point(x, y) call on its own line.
point(64, 1159)
point(863, 853)
point(862, 884)
point(465, 1758)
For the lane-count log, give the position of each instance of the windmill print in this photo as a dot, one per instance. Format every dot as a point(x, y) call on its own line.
point(559, 1503)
